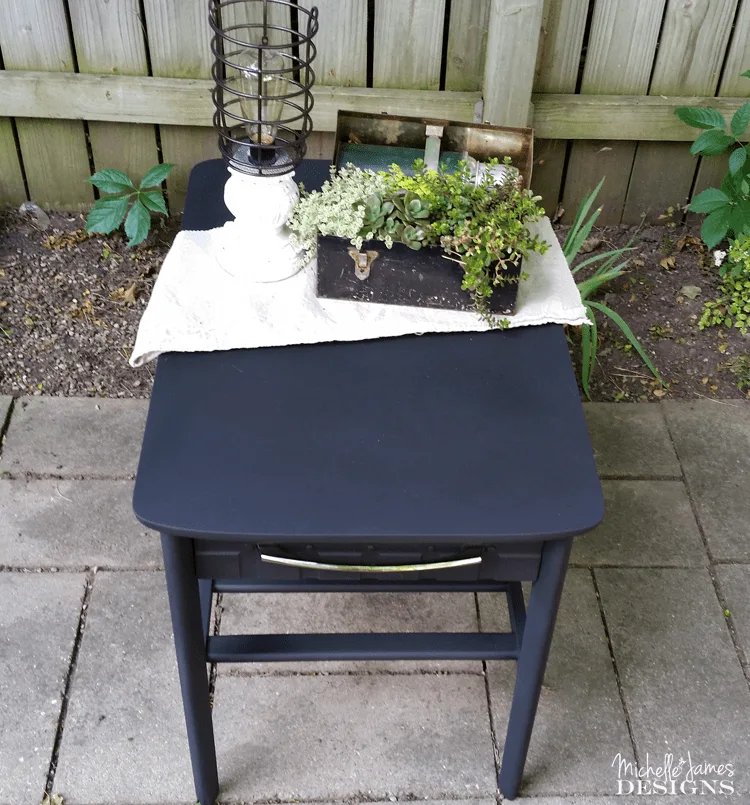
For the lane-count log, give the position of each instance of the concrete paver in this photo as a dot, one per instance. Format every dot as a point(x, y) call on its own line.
point(734, 581)
point(348, 736)
point(646, 523)
point(73, 524)
point(125, 739)
point(713, 443)
point(60, 436)
point(39, 616)
point(681, 680)
point(631, 441)
point(580, 725)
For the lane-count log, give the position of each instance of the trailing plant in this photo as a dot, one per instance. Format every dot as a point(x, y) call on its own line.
point(727, 208)
point(128, 203)
point(481, 225)
point(607, 268)
point(732, 308)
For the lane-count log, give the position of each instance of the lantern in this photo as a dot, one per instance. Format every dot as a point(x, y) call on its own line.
point(263, 52)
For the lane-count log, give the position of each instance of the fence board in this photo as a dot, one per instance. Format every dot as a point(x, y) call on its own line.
point(34, 36)
point(712, 169)
point(109, 37)
point(342, 43)
point(408, 43)
point(622, 45)
point(179, 39)
point(12, 190)
point(563, 29)
point(467, 44)
point(512, 47)
point(693, 43)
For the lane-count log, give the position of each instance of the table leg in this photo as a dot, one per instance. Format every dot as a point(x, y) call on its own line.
point(185, 606)
point(537, 637)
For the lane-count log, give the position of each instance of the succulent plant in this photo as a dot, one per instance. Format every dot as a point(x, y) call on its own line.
point(412, 237)
point(411, 207)
point(395, 218)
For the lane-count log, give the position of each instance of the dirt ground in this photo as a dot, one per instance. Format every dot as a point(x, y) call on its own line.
point(70, 306)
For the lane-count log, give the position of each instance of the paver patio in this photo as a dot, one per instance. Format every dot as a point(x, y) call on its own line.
point(644, 660)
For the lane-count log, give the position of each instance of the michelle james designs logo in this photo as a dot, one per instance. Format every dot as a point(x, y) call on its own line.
point(673, 776)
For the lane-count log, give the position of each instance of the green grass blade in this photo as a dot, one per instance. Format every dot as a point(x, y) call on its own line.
point(610, 257)
point(580, 224)
point(588, 352)
point(628, 333)
point(570, 250)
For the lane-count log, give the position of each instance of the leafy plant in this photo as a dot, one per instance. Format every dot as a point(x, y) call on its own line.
point(127, 203)
point(732, 308)
point(727, 208)
point(607, 269)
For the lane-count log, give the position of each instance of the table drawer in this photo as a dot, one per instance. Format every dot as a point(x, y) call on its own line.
point(277, 562)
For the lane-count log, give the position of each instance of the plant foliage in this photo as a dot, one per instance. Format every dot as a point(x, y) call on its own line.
point(727, 209)
point(127, 203)
point(480, 224)
point(732, 308)
point(607, 267)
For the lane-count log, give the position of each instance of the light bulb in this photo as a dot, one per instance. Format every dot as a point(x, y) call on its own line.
point(269, 87)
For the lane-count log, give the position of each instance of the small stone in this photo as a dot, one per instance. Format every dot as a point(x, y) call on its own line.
point(690, 291)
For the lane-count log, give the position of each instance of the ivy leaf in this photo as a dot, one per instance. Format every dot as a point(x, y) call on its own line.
point(699, 117)
point(741, 120)
point(156, 175)
point(137, 224)
point(107, 214)
point(737, 159)
point(709, 201)
point(154, 200)
point(111, 181)
point(716, 226)
point(712, 143)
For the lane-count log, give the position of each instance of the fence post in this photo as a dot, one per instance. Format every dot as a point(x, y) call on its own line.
point(512, 46)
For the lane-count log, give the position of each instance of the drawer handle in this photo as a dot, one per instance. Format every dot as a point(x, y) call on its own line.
point(302, 563)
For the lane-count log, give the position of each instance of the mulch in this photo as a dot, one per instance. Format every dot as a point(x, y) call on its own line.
point(70, 304)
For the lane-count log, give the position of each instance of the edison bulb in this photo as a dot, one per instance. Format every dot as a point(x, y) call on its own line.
point(260, 78)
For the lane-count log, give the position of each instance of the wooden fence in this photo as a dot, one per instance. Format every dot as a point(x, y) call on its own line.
point(90, 84)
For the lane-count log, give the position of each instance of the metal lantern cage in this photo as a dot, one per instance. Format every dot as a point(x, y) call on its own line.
point(263, 52)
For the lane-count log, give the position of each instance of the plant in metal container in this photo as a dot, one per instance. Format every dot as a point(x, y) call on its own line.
point(429, 223)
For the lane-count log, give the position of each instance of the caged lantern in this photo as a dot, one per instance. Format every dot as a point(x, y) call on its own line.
point(263, 52)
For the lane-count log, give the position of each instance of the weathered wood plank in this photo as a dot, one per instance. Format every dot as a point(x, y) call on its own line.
point(512, 46)
point(467, 45)
point(738, 57)
point(12, 190)
point(558, 63)
point(693, 43)
point(187, 102)
point(179, 38)
point(186, 147)
point(34, 36)
point(109, 37)
point(408, 43)
point(56, 165)
point(563, 29)
point(342, 43)
point(621, 51)
point(321, 145)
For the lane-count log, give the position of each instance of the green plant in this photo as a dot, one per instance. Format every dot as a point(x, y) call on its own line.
point(740, 368)
point(480, 225)
point(126, 202)
point(732, 308)
point(727, 208)
point(607, 268)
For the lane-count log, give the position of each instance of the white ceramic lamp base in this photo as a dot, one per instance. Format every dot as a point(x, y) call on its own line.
point(256, 244)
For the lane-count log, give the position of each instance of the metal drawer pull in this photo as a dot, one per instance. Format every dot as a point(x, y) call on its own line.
point(283, 560)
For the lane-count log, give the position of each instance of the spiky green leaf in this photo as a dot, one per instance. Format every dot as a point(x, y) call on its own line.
point(737, 160)
point(111, 181)
point(709, 200)
point(589, 345)
point(716, 226)
point(699, 117)
point(154, 200)
point(156, 175)
point(107, 214)
point(137, 224)
point(711, 143)
point(628, 333)
point(741, 120)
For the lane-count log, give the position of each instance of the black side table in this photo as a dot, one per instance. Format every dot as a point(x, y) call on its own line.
point(455, 462)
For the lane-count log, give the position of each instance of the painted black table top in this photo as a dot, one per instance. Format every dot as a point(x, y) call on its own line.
point(459, 438)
